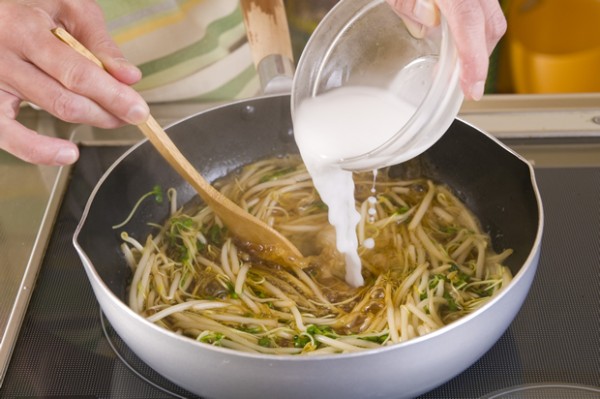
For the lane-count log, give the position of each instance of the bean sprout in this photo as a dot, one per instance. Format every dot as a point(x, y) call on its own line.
point(427, 264)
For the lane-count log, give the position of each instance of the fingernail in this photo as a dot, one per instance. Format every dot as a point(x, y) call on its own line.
point(66, 156)
point(123, 63)
point(426, 12)
point(138, 114)
point(416, 29)
point(477, 90)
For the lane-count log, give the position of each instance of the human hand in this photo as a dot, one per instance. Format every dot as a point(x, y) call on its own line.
point(37, 67)
point(476, 25)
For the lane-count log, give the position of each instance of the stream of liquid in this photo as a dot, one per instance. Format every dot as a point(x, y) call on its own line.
point(345, 123)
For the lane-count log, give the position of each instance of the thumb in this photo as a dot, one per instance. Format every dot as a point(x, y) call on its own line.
point(417, 15)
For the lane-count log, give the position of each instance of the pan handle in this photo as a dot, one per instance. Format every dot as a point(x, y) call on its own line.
point(269, 38)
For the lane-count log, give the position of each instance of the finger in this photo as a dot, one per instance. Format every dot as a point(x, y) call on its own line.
point(25, 81)
point(403, 7)
point(427, 12)
point(83, 77)
point(31, 84)
point(33, 41)
point(27, 144)
point(35, 148)
point(416, 29)
point(466, 21)
point(84, 19)
point(103, 47)
point(420, 12)
point(121, 69)
point(495, 25)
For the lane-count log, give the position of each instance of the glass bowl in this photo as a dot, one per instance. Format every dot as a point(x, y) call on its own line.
point(364, 44)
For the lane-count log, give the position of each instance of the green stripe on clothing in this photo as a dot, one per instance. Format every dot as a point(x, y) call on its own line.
point(209, 42)
point(186, 67)
point(207, 64)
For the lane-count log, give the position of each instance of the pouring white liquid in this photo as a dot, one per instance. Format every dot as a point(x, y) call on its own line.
point(344, 123)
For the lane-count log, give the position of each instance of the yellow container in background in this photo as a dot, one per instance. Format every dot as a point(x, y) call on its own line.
point(554, 45)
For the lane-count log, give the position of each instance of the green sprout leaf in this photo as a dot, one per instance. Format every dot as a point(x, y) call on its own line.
point(158, 197)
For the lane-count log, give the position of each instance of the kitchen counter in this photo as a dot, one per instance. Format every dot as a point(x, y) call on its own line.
point(550, 131)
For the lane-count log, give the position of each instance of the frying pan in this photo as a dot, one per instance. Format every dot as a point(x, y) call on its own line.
point(497, 184)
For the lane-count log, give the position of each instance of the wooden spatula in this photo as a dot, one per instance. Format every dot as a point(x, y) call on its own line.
point(242, 224)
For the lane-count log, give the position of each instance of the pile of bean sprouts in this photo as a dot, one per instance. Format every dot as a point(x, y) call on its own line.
point(427, 264)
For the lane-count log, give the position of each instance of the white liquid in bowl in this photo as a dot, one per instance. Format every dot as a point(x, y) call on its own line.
point(348, 122)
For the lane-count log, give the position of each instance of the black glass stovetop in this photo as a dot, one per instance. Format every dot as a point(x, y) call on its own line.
point(66, 349)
